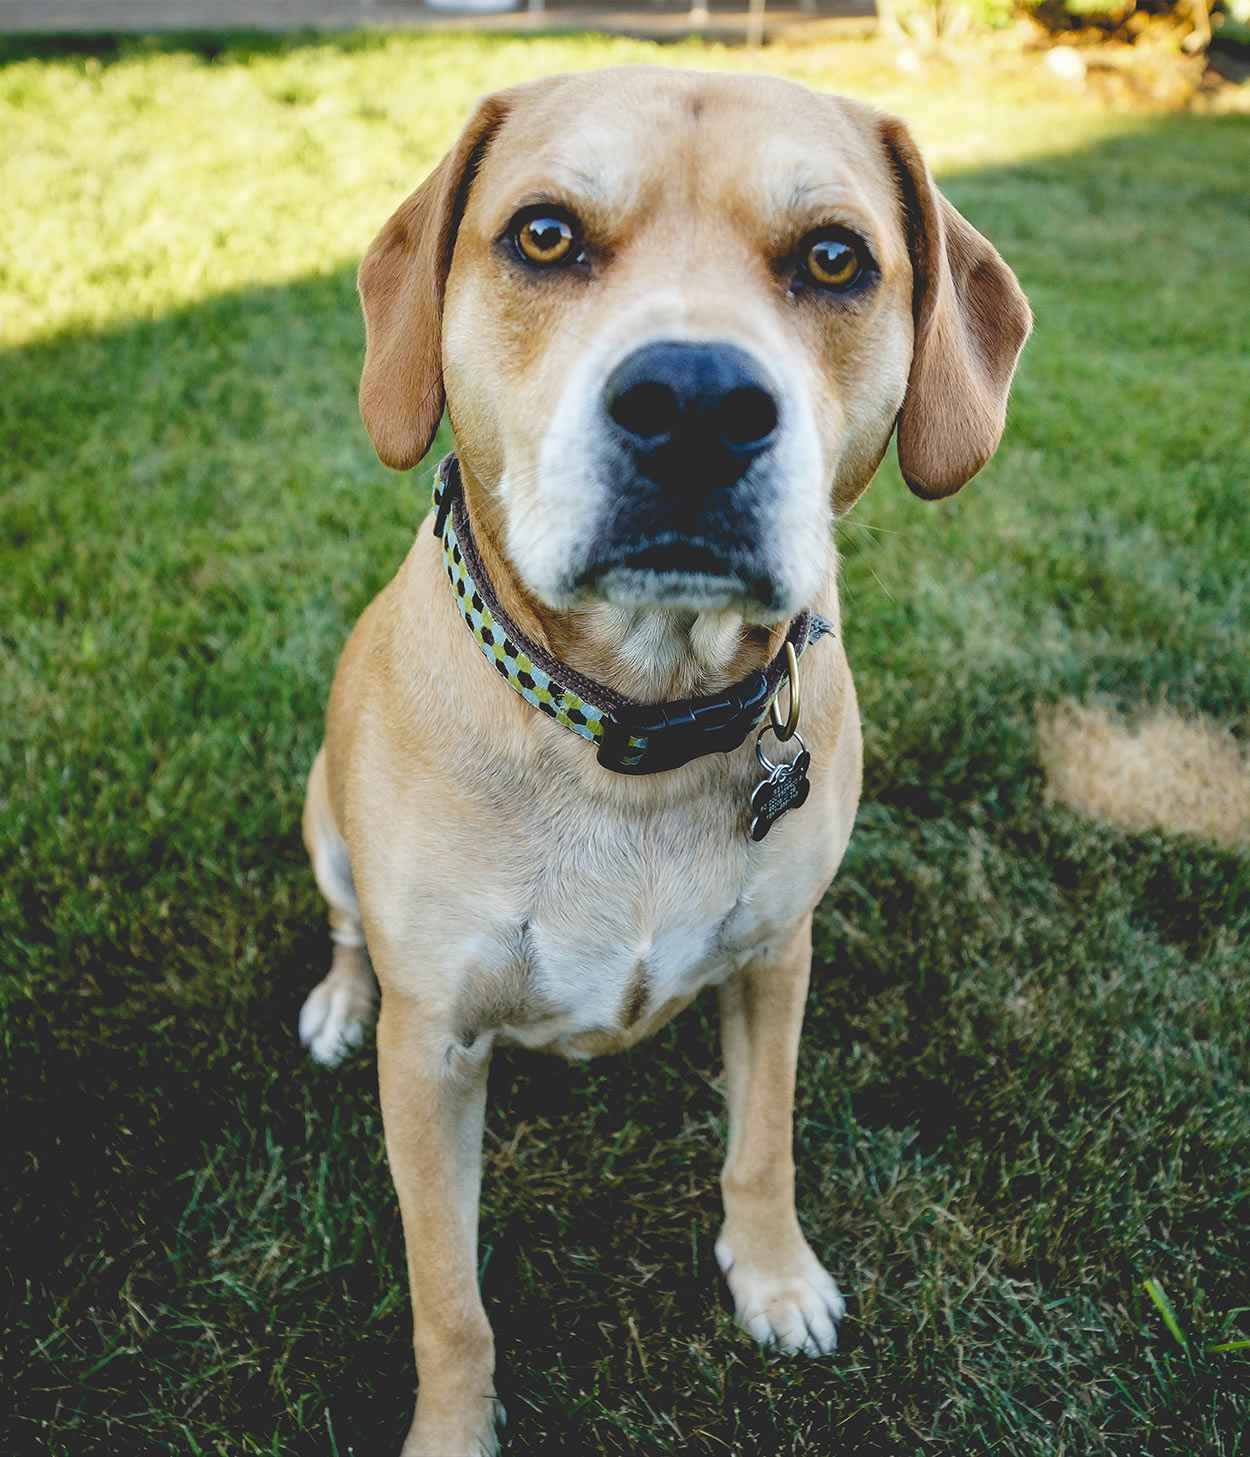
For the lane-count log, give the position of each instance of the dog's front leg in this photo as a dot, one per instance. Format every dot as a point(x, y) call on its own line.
point(433, 1090)
point(782, 1294)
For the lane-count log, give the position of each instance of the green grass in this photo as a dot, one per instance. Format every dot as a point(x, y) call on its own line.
point(1023, 1089)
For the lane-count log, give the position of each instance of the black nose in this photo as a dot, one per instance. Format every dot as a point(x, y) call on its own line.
point(694, 416)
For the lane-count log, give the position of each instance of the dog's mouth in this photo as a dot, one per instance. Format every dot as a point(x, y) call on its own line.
point(672, 570)
point(676, 556)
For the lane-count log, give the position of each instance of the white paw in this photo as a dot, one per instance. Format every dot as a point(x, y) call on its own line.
point(334, 1019)
point(790, 1305)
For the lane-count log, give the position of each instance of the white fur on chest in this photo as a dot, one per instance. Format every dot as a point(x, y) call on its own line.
point(623, 918)
point(604, 985)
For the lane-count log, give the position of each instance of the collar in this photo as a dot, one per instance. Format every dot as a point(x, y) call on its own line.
point(632, 738)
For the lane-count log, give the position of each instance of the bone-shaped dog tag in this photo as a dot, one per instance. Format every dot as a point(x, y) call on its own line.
point(786, 787)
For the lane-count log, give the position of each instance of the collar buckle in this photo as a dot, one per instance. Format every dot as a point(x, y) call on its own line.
point(653, 738)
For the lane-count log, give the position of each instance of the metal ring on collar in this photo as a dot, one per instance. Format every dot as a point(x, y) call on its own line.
point(785, 727)
point(765, 762)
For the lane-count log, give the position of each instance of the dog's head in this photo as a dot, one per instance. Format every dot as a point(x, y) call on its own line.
point(677, 317)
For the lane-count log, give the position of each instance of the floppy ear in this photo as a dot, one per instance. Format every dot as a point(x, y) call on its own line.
point(402, 281)
point(971, 322)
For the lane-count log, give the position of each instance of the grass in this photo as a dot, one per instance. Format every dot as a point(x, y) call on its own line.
point(1023, 1110)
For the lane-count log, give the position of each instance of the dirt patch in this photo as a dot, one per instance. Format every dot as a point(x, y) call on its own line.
point(1166, 771)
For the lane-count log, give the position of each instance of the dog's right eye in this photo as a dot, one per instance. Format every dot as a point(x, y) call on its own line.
point(545, 239)
point(833, 261)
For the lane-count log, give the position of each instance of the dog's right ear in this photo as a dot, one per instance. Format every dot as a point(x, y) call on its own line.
point(402, 282)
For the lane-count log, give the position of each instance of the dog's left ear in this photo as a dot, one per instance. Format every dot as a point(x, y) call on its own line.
point(971, 321)
point(402, 282)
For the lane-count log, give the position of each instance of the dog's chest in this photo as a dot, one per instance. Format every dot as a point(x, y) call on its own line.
point(618, 924)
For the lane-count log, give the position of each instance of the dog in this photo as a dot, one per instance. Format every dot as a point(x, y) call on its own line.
point(675, 319)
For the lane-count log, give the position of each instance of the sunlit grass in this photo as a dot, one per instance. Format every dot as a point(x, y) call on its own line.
point(1023, 1089)
point(136, 184)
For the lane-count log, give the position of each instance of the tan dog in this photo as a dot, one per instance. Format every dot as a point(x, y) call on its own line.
point(677, 318)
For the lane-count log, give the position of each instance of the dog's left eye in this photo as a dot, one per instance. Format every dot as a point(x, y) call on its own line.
point(545, 239)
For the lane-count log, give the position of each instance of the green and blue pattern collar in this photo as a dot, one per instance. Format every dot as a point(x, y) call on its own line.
point(632, 738)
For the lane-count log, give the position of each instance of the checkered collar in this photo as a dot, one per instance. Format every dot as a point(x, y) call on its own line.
point(632, 738)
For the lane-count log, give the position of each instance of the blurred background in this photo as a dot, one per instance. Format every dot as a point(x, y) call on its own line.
point(1023, 1129)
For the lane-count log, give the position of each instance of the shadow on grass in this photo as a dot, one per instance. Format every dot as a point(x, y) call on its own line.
point(1020, 1087)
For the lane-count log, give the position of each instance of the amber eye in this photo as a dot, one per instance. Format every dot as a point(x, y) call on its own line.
point(545, 240)
point(832, 263)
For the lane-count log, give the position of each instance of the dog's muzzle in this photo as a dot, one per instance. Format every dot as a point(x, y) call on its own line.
point(682, 425)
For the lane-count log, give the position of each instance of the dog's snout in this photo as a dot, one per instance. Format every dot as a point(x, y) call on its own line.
point(694, 416)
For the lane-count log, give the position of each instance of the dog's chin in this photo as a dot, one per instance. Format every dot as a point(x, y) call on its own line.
point(696, 591)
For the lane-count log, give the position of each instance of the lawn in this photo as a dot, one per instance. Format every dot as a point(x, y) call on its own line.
point(1023, 1088)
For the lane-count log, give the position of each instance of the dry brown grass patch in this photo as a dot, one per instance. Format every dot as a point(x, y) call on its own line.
point(1166, 771)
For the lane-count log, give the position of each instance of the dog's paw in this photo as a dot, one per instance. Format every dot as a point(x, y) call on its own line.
point(790, 1303)
point(442, 1434)
point(335, 1018)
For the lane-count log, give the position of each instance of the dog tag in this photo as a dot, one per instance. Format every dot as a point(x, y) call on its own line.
point(786, 787)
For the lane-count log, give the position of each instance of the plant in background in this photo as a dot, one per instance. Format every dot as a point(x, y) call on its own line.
point(1124, 20)
point(926, 22)
point(1232, 21)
